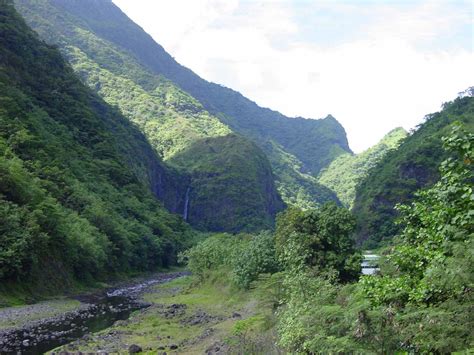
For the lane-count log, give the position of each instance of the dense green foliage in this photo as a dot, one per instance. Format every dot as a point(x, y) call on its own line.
point(243, 256)
point(314, 142)
point(319, 241)
point(428, 280)
point(420, 302)
point(433, 256)
point(296, 188)
point(171, 119)
point(126, 67)
point(232, 187)
point(75, 176)
point(79, 185)
point(315, 241)
point(405, 170)
point(345, 172)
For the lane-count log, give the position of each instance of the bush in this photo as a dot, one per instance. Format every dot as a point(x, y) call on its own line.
point(244, 256)
point(257, 257)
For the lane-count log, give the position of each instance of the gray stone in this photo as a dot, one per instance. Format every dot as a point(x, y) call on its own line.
point(133, 349)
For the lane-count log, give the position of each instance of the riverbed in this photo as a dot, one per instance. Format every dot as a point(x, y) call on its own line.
point(93, 313)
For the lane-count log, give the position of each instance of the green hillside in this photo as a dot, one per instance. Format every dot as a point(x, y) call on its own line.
point(127, 68)
point(345, 172)
point(403, 171)
point(76, 177)
point(172, 120)
point(231, 187)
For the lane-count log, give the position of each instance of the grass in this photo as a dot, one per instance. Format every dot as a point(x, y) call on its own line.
point(155, 330)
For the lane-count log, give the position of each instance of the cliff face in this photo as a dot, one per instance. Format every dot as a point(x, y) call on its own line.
point(232, 186)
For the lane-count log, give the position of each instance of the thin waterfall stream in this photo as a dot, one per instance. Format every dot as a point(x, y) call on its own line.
point(186, 204)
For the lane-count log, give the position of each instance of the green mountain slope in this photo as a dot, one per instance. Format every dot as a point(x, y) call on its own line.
point(345, 172)
point(76, 177)
point(171, 119)
point(401, 172)
point(239, 201)
point(98, 32)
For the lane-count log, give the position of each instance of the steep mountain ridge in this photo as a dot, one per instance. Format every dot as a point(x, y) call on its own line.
point(170, 118)
point(297, 148)
point(346, 172)
point(413, 165)
point(313, 142)
point(76, 177)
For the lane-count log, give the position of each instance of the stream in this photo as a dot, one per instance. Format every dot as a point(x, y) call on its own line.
point(100, 311)
point(369, 263)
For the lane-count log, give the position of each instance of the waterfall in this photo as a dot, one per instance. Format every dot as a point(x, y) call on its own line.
point(186, 204)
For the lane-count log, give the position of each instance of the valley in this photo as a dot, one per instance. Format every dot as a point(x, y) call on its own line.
point(144, 209)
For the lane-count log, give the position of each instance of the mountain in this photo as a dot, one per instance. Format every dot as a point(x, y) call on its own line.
point(402, 171)
point(105, 46)
point(229, 186)
point(345, 172)
point(78, 182)
point(172, 120)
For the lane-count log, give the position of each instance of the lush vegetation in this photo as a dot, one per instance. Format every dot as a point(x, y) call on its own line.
point(75, 176)
point(229, 181)
point(80, 186)
point(308, 248)
point(243, 256)
point(405, 170)
point(314, 142)
point(127, 68)
point(231, 187)
point(347, 171)
point(421, 300)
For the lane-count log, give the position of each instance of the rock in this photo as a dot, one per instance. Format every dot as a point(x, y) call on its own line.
point(25, 343)
point(173, 346)
point(236, 315)
point(133, 349)
point(217, 348)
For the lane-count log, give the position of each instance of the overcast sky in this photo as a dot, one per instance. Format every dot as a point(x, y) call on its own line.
point(374, 65)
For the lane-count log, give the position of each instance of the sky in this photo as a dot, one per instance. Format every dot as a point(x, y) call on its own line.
point(372, 64)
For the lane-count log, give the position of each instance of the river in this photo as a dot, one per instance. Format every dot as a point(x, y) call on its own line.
point(370, 263)
point(99, 311)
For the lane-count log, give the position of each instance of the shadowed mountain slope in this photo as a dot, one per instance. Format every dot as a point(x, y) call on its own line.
point(98, 30)
point(403, 171)
point(76, 177)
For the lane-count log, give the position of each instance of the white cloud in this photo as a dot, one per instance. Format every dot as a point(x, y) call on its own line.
point(398, 64)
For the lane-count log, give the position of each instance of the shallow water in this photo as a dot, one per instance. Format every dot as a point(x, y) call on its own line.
point(103, 311)
point(369, 264)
